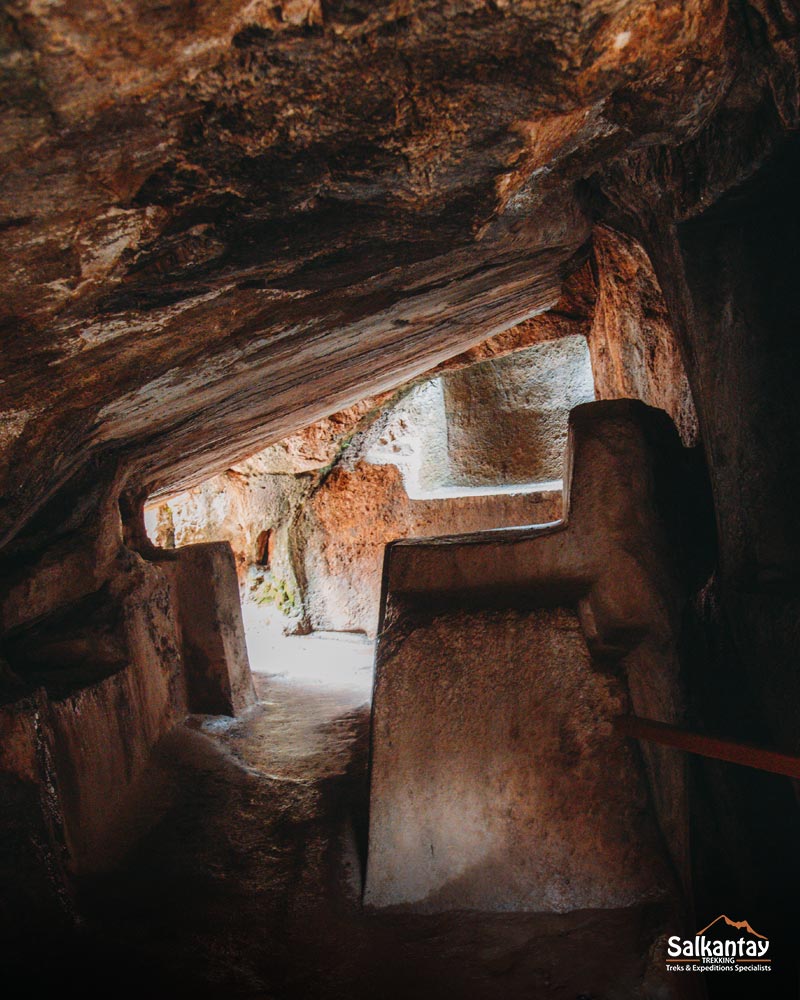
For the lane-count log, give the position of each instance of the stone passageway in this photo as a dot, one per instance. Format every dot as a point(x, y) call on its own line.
point(249, 883)
point(467, 328)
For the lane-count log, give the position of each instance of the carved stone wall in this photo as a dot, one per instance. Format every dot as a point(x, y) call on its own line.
point(622, 562)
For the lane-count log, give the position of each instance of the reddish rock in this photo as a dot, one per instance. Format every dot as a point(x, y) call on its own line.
point(220, 223)
point(338, 195)
point(635, 353)
point(341, 533)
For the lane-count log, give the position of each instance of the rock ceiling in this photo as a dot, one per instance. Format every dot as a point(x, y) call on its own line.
point(223, 219)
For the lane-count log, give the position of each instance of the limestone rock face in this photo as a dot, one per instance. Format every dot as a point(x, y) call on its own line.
point(230, 508)
point(223, 221)
point(313, 542)
point(507, 419)
point(318, 444)
point(96, 687)
point(217, 668)
point(314, 447)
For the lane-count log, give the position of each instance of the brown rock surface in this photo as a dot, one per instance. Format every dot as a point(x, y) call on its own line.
point(395, 469)
point(317, 445)
point(635, 353)
point(235, 507)
point(343, 529)
point(623, 559)
point(497, 780)
point(89, 684)
point(216, 667)
point(96, 688)
point(220, 222)
point(249, 885)
point(507, 418)
point(204, 210)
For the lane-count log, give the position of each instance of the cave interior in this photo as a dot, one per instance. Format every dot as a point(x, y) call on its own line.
point(447, 351)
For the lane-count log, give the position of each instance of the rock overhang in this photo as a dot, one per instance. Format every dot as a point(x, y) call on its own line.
point(220, 227)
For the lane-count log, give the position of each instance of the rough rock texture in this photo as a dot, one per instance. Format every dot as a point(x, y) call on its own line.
point(216, 667)
point(248, 885)
point(222, 221)
point(570, 316)
point(271, 187)
point(392, 476)
point(730, 283)
point(635, 353)
point(497, 780)
point(236, 507)
point(433, 462)
point(89, 683)
point(411, 435)
point(77, 730)
point(342, 531)
point(507, 419)
point(318, 445)
point(625, 560)
point(34, 861)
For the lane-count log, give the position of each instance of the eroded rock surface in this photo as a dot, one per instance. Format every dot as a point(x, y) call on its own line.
point(342, 532)
point(220, 222)
point(249, 884)
point(486, 791)
point(437, 456)
point(635, 353)
point(507, 419)
point(205, 209)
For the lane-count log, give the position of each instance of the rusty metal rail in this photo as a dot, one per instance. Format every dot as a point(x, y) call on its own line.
point(709, 746)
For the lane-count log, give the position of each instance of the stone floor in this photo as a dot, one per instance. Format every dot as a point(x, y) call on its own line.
point(248, 883)
point(333, 660)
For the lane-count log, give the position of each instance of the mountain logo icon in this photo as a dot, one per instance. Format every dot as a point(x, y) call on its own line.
point(736, 925)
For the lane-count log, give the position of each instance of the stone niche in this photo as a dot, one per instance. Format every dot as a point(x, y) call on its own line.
point(475, 448)
point(507, 419)
point(498, 781)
